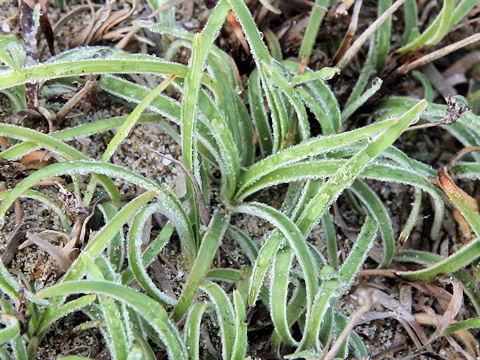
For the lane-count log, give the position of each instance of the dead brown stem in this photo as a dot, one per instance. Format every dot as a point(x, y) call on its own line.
point(353, 50)
point(439, 53)
point(352, 29)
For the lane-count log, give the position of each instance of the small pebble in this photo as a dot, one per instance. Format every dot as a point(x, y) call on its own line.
point(6, 28)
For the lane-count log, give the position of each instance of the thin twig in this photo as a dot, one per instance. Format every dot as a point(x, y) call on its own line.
point(202, 206)
point(439, 53)
point(345, 60)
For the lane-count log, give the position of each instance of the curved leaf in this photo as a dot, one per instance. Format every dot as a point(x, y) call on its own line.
point(151, 310)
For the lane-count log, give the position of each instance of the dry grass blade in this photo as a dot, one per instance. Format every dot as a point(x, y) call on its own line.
point(352, 28)
point(36, 160)
point(448, 185)
point(69, 15)
point(13, 241)
point(452, 310)
point(464, 336)
point(367, 303)
point(399, 311)
point(47, 27)
point(102, 21)
point(63, 256)
point(353, 50)
point(439, 53)
point(237, 29)
point(457, 347)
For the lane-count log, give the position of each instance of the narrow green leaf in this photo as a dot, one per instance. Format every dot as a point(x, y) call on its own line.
point(150, 309)
point(325, 73)
point(360, 100)
point(295, 240)
point(306, 149)
point(61, 69)
point(411, 20)
point(245, 242)
point(57, 147)
point(436, 31)
point(225, 317)
point(150, 253)
point(359, 252)
point(347, 173)
point(273, 44)
point(383, 35)
point(135, 259)
point(378, 212)
point(192, 329)
point(208, 247)
point(462, 9)
point(331, 238)
point(258, 113)
point(105, 235)
point(321, 303)
point(133, 118)
point(201, 44)
point(341, 321)
point(116, 248)
point(462, 325)
point(17, 151)
point(378, 171)
point(412, 217)
point(365, 74)
point(241, 341)
point(278, 294)
point(359, 348)
point(47, 202)
point(221, 274)
point(467, 253)
point(454, 262)
point(316, 17)
point(263, 261)
point(428, 92)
